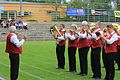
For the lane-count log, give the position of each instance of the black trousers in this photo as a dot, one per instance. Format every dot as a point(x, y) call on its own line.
point(72, 58)
point(95, 62)
point(83, 52)
point(14, 66)
point(60, 50)
point(118, 57)
point(109, 66)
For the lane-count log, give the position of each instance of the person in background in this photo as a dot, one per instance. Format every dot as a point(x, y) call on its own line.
point(60, 48)
point(25, 25)
point(83, 48)
point(14, 48)
point(110, 52)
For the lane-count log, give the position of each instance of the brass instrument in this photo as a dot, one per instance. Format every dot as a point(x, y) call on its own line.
point(55, 31)
point(116, 26)
point(92, 26)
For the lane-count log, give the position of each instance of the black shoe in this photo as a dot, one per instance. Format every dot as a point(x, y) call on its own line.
point(97, 78)
point(93, 77)
point(59, 68)
point(73, 71)
point(118, 68)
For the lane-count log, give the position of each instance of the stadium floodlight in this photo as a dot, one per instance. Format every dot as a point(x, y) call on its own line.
point(68, 0)
point(21, 8)
point(114, 4)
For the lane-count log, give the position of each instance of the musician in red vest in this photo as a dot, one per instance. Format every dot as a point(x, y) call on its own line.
point(72, 47)
point(83, 48)
point(96, 45)
point(14, 48)
point(60, 48)
point(110, 52)
point(118, 52)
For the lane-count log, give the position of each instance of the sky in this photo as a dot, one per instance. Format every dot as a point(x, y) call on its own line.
point(67, 0)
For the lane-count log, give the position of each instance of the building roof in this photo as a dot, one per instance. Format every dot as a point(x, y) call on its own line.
point(11, 2)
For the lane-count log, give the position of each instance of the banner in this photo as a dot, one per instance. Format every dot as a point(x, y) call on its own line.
point(99, 12)
point(1, 9)
point(75, 12)
point(117, 13)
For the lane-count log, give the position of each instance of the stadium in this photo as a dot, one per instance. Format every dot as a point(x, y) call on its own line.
point(36, 20)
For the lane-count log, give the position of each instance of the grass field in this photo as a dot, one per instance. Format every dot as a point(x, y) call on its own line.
point(38, 62)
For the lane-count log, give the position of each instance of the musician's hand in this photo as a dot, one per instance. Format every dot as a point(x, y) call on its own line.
point(56, 36)
point(25, 37)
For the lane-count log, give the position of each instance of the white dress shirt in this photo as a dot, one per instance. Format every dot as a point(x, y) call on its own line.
point(113, 38)
point(85, 35)
point(94, 35)
point(82, 35)
point(71, 37)
point(15, 40)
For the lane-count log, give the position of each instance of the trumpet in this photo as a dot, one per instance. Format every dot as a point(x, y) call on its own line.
point(55, 31)
point(116, 27)
point(92, 26)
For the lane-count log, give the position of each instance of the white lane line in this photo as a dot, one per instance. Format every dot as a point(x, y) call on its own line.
point(34, 76)
point(1, 78)
point(43, 69)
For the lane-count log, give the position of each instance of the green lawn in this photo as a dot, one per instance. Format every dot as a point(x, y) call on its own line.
point(38, 62)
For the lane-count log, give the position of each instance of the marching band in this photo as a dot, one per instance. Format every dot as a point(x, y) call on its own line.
point(89, 37)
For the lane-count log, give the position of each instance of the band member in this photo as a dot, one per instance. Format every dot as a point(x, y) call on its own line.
point(83, 48)
point(60, 48)
point(14, 48)
point(118, 52)
point(110, 52)
point(72, 46)
point(105, 33)
point(96, 45)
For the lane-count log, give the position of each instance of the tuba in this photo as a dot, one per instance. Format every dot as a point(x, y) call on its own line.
point(55, 31)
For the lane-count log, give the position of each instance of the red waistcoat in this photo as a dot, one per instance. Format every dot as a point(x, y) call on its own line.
point(83, 42)
point(96, 43)
point(12, 48)
point(72, 43)
point(63, 42)
point(109, 48)
point(118, 42)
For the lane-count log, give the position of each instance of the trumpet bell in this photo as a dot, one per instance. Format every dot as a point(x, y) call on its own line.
point(54, 30)
point(116, 26)
point(92, 26)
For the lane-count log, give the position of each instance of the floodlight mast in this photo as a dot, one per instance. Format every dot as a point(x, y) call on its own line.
point(20, 8)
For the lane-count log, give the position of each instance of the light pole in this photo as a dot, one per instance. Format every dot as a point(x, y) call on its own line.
point(21, 8)
point(88, 10)
point(56, 13)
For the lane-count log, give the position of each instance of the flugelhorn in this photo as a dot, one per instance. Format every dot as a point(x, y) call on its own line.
point(55, 31)
point(116, 26)
point(92, 26)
